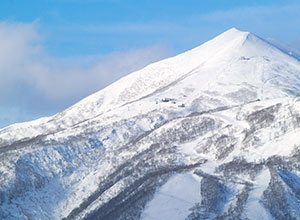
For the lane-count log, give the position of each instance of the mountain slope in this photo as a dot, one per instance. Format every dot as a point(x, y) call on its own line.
point(234, 58)
point(221, 120)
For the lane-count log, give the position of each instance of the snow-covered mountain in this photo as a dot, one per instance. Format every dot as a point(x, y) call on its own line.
point(213, 133)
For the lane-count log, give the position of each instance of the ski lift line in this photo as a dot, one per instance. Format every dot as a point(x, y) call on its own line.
point(151, 217)
point(177, 198)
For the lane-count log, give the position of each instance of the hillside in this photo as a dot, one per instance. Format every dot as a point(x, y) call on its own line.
point(212, 133)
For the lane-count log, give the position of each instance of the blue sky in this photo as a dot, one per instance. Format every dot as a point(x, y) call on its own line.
point(56, 52)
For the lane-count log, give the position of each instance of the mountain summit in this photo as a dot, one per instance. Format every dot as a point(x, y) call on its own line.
point(212, 133)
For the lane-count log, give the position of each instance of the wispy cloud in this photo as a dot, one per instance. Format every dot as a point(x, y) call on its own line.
point(279, 21)
point(123, 28)
point(32, 81)
point(252, 11)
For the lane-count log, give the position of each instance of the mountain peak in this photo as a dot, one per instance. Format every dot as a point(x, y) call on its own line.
point(234, 30)
point(231, 40)
point(233, 33)
point(243, 43)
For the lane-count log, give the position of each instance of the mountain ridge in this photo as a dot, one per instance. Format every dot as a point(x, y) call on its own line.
point(212, 120)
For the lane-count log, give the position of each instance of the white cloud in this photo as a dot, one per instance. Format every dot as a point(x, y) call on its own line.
point(17, 43)
point(35, 83)
point(57, 79)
